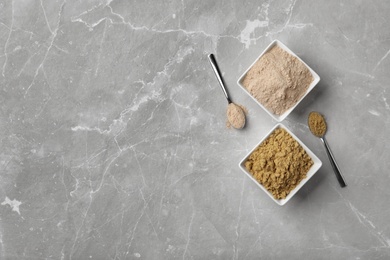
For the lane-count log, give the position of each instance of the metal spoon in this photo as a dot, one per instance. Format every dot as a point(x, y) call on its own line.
point(321, 135)
point(234, 111)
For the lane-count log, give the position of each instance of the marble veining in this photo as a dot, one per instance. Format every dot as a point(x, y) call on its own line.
point(114, 143)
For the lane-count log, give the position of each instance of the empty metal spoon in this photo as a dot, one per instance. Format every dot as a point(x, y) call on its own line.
point(235, 114)
point(317, 126)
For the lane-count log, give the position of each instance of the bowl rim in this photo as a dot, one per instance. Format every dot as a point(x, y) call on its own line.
point(315, 81)
point(313, 169)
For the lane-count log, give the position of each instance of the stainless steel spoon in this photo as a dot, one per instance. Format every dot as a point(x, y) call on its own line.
point(214, 65)
point(236, 115)
point(332, 160)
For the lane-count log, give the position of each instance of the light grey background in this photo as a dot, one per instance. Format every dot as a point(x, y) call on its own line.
point(113, 137)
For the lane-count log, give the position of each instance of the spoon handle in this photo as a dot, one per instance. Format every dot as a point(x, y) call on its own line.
point(214, 65)
point(336, 169)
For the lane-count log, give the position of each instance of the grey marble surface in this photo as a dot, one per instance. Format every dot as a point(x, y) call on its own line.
point(113, 137)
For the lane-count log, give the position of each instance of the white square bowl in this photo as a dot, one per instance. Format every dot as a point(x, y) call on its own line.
point(316, 79)
point(314, 168)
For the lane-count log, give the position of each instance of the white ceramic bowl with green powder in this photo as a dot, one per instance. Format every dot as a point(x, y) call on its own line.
point(278, 80)
point(307, 164)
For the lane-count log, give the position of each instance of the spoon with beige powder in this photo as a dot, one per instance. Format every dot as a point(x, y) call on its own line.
point(317, 125)
point(235, 113)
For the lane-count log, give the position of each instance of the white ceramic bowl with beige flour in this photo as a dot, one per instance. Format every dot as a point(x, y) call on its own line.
point(278, 80)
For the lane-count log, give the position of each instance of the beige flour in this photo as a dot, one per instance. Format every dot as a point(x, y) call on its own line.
point(278, 80)
point(236, 116)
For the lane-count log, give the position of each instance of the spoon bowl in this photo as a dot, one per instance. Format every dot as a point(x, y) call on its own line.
point(236, 116)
